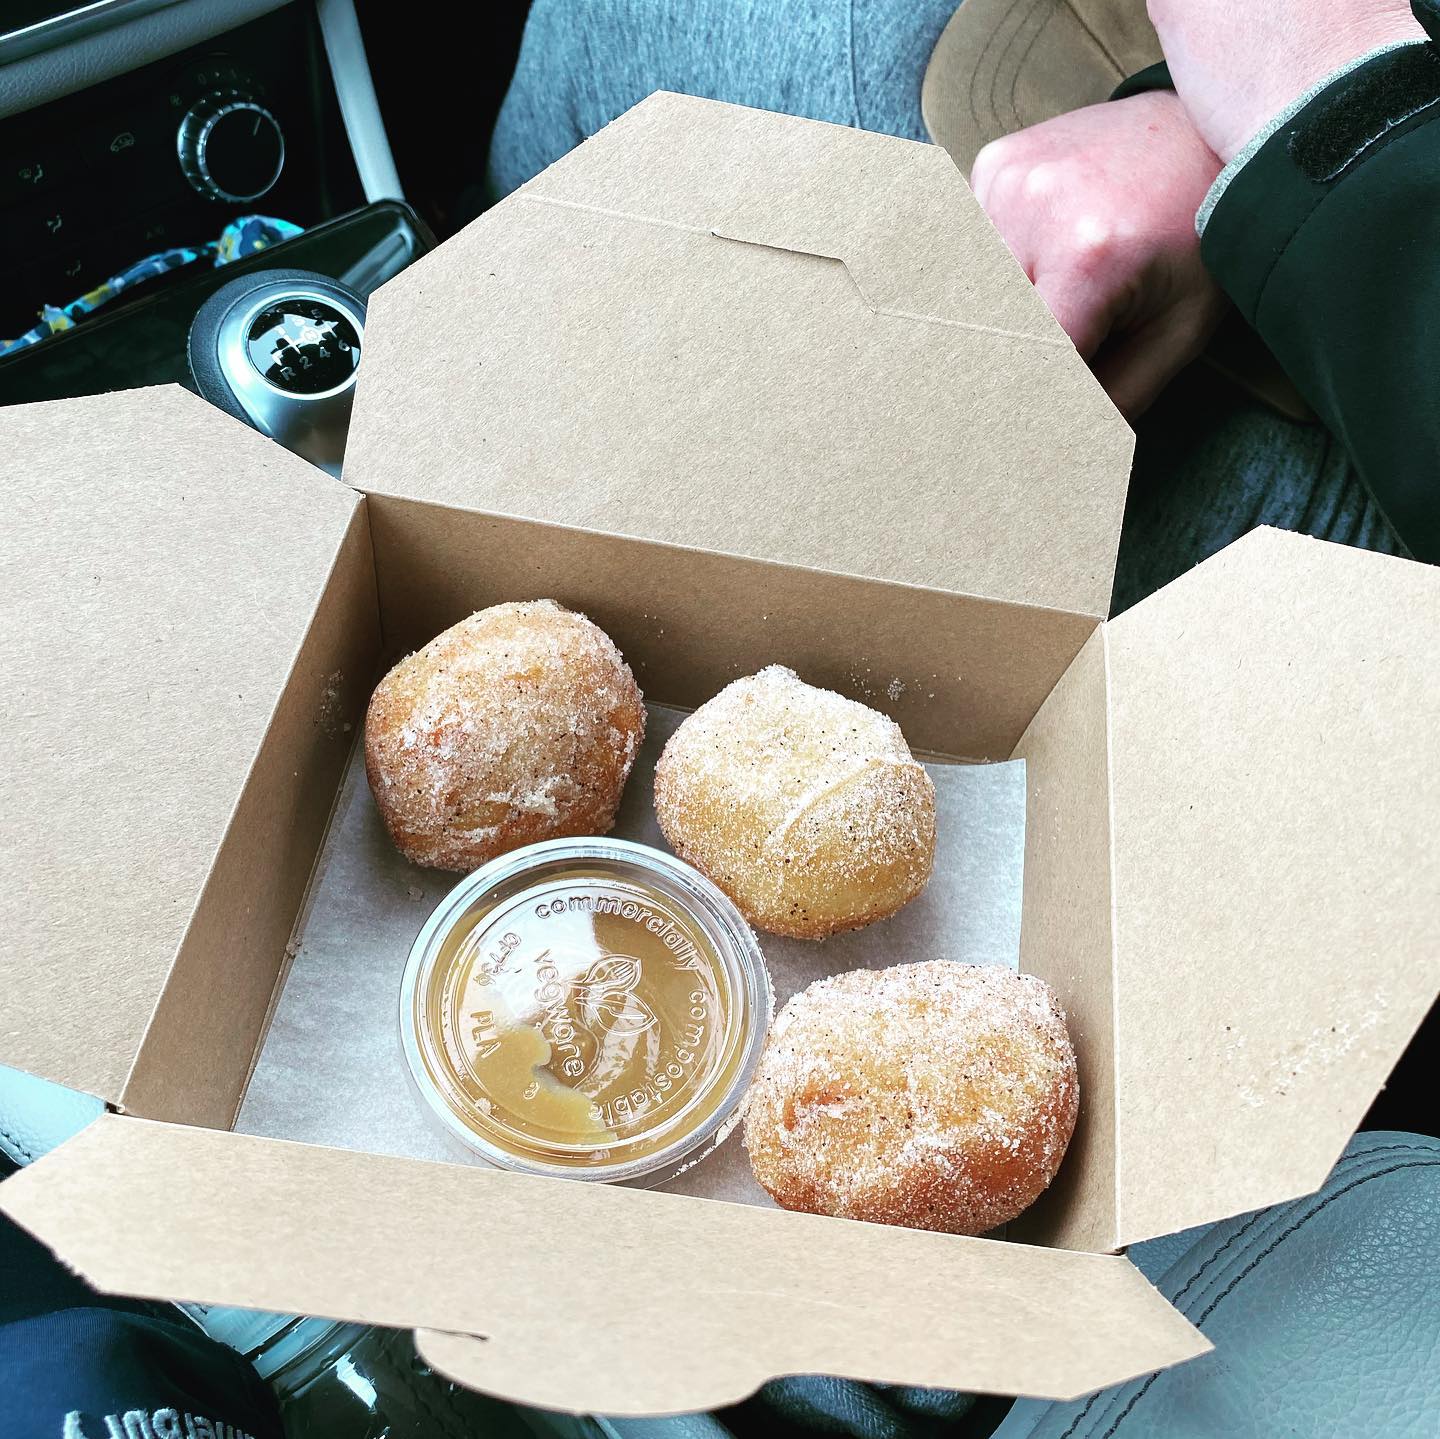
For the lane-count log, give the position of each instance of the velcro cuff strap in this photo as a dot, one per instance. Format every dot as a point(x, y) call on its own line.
point(1345, 122)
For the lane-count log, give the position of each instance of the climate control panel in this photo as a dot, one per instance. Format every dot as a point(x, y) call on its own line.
point(165, 156)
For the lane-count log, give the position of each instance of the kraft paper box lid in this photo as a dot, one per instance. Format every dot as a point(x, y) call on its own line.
point(1232, 877)
point(588, 1296)
point(161, 564)
point(205, 550)
point(1291, 873)
point(772, 337)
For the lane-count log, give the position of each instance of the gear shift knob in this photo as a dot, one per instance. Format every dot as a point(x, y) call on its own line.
point(280, 349)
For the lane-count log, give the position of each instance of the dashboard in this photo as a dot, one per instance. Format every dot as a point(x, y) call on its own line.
point(164, 155)
point(32, 25)
point(35, 25)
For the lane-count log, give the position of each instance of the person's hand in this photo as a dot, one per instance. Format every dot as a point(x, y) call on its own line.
point(1099, 208)
point(1237, 63)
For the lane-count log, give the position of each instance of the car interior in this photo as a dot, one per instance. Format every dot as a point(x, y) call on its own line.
point(188, 184)
point(137, 129)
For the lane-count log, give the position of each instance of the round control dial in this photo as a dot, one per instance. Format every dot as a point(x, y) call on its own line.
point(231, 147)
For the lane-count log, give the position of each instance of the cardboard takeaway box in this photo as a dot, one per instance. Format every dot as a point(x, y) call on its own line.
point(746, 389)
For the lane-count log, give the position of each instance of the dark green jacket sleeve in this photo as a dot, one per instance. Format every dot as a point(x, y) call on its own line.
point(1328, 241)
point(1152, 77)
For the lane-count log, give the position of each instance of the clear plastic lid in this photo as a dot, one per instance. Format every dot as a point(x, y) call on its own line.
point(590, 1008)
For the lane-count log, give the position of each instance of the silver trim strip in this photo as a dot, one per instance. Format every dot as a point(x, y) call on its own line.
point(350, 71)
point(72, 24)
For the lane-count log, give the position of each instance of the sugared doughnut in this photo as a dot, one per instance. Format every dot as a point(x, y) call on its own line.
point(935, 1095)
point(805, 807)
point(516, 725)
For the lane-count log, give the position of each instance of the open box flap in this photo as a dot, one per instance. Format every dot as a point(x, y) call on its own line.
point(161, 563)
point(657, 1302)
point(1275, 753)
point(1067, 938)
point(765, 336)
point(898, 214)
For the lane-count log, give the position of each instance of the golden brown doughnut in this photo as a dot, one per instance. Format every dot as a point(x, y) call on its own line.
point(935, 1095)
point(805, 807)
point(518, 724)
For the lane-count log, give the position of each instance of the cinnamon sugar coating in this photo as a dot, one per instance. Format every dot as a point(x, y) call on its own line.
point(805, 807)
point(518, 724)
point(936, 1095)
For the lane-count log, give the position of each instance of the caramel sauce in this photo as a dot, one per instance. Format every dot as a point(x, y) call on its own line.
point(581, 1020)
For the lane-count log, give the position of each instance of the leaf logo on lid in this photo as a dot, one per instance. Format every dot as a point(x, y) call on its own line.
point(612, 1014)
point(607, 998)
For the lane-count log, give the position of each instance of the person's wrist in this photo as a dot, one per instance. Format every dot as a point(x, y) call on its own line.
point(1322, 57)
point(1291, 51)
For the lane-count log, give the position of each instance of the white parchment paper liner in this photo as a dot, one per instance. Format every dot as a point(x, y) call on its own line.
point(331, 1070)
